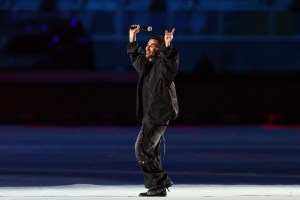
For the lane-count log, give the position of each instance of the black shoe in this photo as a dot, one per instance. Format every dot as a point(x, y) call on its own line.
point(158, 191)
point(165, 182)
point(154, 193)
point(169, 184)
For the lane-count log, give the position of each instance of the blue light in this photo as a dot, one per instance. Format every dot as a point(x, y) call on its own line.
point(44, 27)
point(74, 22)
point(10, 59)
point(55, 39)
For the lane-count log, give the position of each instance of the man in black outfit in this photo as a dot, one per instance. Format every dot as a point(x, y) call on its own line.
point(156, 104)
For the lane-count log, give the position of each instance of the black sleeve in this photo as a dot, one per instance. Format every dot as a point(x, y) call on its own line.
point(137, 56)
point(170, 61)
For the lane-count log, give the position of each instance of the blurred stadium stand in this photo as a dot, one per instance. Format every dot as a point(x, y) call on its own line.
point(247, 48)
point(195, 20)
point(101, 5)
point(67, 5)
point(137, 5)
point(30, 5)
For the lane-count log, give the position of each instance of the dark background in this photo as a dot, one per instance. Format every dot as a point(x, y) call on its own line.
point(64, 62)
point(67, 91)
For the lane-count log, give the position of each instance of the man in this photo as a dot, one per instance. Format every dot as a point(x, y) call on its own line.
point(156, 104)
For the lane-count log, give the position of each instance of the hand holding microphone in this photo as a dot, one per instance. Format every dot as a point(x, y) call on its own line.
point(134, 29)
point(143, 28)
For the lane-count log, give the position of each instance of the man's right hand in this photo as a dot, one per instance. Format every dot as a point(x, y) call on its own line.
point(133, 31)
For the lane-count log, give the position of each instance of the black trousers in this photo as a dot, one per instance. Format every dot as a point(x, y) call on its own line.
point(147, 152)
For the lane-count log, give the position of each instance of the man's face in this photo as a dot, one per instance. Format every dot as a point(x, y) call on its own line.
point(152, 49)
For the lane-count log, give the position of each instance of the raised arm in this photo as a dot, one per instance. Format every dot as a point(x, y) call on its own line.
point(169, 37)
point(135, 52)
point(135, 29)
point(171, 55)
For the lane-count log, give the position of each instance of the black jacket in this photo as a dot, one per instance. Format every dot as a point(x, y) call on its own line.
point(162, 101)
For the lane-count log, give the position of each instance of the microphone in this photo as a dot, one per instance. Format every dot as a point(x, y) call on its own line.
point(143, 28)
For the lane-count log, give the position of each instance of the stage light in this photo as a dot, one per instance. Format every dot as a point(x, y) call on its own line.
point(74, 22)
point(55, 39)
point(44, 27)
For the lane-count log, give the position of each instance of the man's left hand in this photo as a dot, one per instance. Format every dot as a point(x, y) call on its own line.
point(169, 37)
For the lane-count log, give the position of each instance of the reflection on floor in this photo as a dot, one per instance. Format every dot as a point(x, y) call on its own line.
point(56, 156)
point(125, 192)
